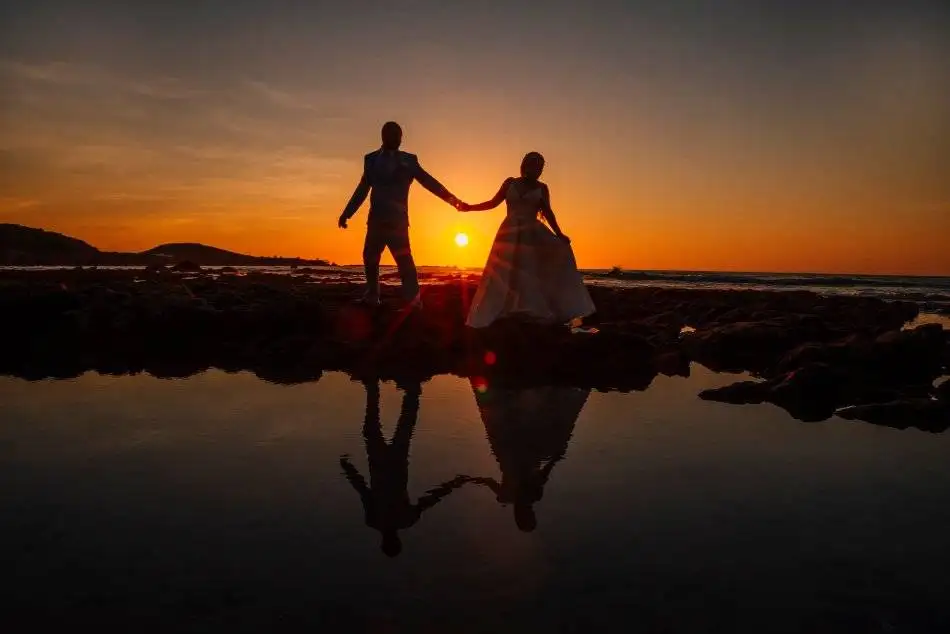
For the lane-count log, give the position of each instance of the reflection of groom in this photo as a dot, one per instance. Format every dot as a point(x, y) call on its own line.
point(386, 499)
point(389, 173)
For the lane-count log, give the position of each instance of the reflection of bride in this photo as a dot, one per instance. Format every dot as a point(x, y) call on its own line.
point(528, 430)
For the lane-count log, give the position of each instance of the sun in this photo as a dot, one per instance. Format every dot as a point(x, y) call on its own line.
point(461, 239)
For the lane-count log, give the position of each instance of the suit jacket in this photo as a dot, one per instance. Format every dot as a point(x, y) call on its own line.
point(388, 175)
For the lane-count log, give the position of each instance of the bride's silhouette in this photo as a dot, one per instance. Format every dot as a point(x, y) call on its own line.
point(529, 431)
point(385, 499)
point(531, 271)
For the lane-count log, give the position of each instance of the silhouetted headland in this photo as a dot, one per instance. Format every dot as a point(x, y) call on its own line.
point(26, 246)
point(811, 354)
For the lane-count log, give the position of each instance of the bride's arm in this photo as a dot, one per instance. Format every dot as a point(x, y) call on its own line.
point(494, 202)
point(548, 214)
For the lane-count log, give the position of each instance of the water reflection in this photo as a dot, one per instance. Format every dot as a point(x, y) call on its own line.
point(190, 506)
point(385, 499)
point(529, 431)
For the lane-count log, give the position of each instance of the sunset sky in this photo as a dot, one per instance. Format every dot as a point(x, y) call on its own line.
point(728, 135)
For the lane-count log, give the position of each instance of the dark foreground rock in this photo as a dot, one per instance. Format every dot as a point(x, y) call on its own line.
point(942, 391)
point(813, 354)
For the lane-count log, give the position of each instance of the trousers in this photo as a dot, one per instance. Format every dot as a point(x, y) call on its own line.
point(381, 236)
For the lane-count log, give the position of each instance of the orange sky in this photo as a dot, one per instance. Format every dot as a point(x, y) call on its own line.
point(671, 145)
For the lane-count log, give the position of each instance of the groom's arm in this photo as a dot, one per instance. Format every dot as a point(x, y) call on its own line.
point(358, 197)
point(429, 182)
point(354, 477)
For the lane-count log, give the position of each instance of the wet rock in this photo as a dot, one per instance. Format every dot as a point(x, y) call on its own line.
point(893, 359)
point(908, 355)
point(843, 352)
point(942, 391)
point(176, 368)
point(672, 363)
point(229, 270)
point(155, 269)
point(922, 413)
point(739, 346)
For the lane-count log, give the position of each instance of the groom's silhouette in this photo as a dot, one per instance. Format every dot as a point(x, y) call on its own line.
point(389, 172)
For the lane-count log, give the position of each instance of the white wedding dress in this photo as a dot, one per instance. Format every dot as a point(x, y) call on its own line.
point(531, 273)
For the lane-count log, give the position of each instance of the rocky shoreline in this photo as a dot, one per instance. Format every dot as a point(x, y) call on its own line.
point(812, 355)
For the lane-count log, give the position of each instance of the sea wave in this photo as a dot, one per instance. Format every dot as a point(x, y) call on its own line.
point(781, 279)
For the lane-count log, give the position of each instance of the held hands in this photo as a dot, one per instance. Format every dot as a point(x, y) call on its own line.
point(458, 204)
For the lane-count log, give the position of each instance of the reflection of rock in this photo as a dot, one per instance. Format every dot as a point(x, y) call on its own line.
point(923, 413)
point(740, 393)
point(809, 393)
point(813, 392)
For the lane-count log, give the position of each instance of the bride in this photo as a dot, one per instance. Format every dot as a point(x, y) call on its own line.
point(531, 272)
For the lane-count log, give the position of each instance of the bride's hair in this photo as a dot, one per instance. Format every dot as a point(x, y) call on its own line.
point(531, 156)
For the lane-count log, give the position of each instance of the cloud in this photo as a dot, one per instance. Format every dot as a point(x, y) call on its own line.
point(68, 139)
point(56, 72)
point(72, 74)
point(9, 204)
point(167, 88)
point(308, 101)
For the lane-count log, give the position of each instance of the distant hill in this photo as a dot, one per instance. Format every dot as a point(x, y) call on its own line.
point(213, 256)
point(26, 246)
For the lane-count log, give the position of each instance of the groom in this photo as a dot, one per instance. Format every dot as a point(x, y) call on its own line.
point(389, 173)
